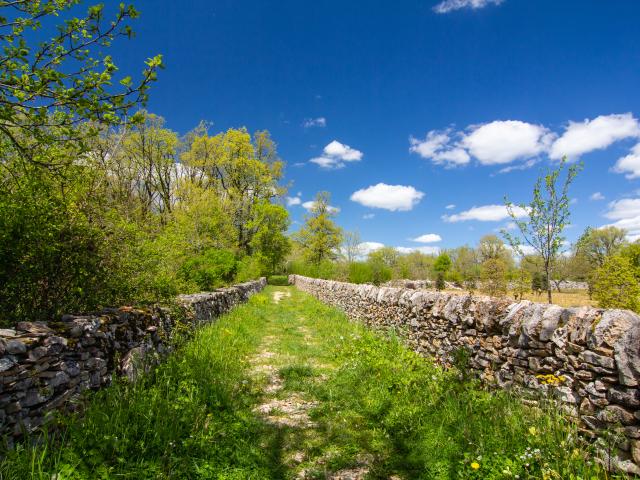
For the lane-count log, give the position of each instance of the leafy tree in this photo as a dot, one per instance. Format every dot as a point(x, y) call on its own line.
point(442, 264)
point(269, 243)
point(466, 264)
point(47, 88)
point(616, 284)
point(548, 215)
point(491, 247)
point(387, 256)
point(242, 169)
point(494, 277)
point(320, 238)
point(597, 244)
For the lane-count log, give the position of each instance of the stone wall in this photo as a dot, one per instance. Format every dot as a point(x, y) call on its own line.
point(44, 366)
point(587, 358)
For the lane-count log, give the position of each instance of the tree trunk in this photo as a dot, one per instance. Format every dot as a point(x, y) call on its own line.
point(547, 272)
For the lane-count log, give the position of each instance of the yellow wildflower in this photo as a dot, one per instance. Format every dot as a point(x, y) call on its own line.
point(475, 465)
point(533, 431)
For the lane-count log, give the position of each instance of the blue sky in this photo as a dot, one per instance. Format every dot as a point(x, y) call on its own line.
point(443, 103)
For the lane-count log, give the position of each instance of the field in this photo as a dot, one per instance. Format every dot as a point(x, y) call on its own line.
point(566, 298)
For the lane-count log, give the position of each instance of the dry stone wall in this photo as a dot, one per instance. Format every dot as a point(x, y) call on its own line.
point(45, 366)
point(587, 358)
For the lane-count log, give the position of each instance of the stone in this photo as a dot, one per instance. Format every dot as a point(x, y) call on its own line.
point(629, 397)
point(614, 414)
point(595, 359)
point(15, 347)
point(6, 363)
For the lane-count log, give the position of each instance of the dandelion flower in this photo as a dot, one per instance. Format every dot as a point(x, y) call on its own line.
point(532, 431)
point(475, 465)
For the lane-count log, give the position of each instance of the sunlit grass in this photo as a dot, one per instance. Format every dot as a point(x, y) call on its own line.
point(377, 403)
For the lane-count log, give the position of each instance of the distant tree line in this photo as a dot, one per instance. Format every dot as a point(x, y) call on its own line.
point(602, 258)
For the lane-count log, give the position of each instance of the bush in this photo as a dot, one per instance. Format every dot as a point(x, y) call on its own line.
point(440, 285)
point(360, 272)
point(249, 268)
point(278, 280)
point(211, 269)
point(616, 285)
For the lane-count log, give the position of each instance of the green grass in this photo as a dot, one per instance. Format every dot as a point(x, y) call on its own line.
point(278, 280)
point(378, 404)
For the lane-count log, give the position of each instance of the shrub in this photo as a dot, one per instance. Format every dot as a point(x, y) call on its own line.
point(211, 269)
point(249, 268)
point(278, 280)
point(440, 281)
point(360, 272)
point(616, 285)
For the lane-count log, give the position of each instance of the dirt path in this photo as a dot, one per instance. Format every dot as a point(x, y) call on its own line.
point(283, 357)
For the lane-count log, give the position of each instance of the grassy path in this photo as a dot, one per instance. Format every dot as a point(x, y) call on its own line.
point(286, 388)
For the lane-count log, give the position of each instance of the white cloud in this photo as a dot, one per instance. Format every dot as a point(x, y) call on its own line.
point(314, 122)
point(428, 238)
point(291, 201)
point(427, 250)
point(447, 6)
point(626, 213)
point(630, 164)
point(523, 166)
point(436, 147)
point(336, 154)
point(525, 249)
point(485, 213)
point(368, 216)
point(367, 247)
point(625, 208)
point(596, 196)
point(583, 137)
point(389, 197)
point(451, 206)
point(309, 206)
point(502, 142)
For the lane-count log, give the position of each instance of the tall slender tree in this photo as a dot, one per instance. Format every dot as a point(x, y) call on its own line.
point(547, 215)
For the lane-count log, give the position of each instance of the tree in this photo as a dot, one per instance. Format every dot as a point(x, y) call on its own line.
point(243, 170)
point(443, 263)
point(144, 163)
point(467, 265)
point(352, 246)
point(494, 277)
point(48, 89)
point(597, 244)
point(491, 247)
point(270, 244)
point(520, 282)
point(441, 266)
point(320, 238)
point(548, 215)
point(616, 284)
